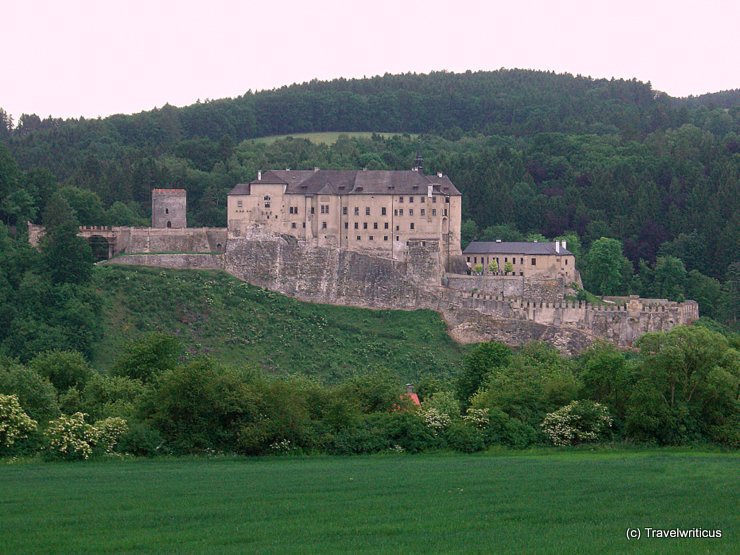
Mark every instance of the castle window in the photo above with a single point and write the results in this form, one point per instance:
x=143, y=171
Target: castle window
x=411, y=225
x=400, y=199
x=383, y=211
x=411, y=210
x=169, y=224
x=434, y=211
x=566, y=261
x=521, y=261
x=346, y=225
x=375, y=225
x=166, y=210
x=534, y=262
x=293, y=225
x=506, y=259
x=398, y=238
x=468, y=259
x=344, y=211
x=400, y=211
x=423, y=212
x=359, y=238
x=447, y=200
x=304, y=225
x=324, y=208
x=513, y=260
x=313, y=210
x=385, y=225
x=370, y=238
x=367, y=211
x=266, y=198
x=239, y=204
x=397, y=228
x=364, y=225
x=434, y=200
x=395, y=212
x=357, y=210
x=422, y=199
x=444, y=212
x=385, y=237
x=411, y=199
x=357, y=226
x=323, y=225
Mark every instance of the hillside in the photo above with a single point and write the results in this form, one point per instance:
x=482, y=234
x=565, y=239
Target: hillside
x=236, y=323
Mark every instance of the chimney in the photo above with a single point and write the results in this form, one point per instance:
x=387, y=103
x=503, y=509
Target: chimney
x=439, y=174
x=409, y=388
x=430, y=189
x=562, y=243
x=259, y=176
x=498, y=240
x=557, y=247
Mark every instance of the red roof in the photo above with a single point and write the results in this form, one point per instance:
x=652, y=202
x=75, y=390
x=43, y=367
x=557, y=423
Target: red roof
x=413, y=397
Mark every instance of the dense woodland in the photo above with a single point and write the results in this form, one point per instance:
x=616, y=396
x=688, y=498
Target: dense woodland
x=643, y=187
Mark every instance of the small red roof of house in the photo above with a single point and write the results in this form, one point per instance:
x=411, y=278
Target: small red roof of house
x=414, y=398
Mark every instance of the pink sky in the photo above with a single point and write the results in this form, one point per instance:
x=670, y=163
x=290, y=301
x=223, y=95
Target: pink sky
x=95, y=58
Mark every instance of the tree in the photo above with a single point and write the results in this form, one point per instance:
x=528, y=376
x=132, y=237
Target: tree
x=477, y=364
x=64, y=369
x=508, y=267
x=147, y=357
x=670, y=278
x=604, y=267
x=493, y=266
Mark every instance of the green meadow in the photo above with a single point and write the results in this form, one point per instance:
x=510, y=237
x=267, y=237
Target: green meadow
x=506, y=502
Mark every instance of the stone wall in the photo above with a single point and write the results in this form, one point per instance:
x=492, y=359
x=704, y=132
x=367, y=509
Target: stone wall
x=174, y=261
x=510, y=287
x=344, y=277
x=150, y=240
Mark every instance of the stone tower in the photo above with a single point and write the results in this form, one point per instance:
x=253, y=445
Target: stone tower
x=168, y=208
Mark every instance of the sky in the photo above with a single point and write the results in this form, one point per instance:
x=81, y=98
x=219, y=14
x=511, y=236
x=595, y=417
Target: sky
x=77, y=58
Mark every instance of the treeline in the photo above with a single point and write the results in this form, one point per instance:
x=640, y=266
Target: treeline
x=681, y=388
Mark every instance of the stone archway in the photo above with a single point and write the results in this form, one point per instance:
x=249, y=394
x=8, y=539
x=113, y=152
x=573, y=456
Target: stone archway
x=101, y=247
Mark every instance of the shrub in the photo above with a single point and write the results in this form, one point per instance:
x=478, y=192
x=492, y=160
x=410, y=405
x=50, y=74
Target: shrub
x=109, y=432
x=577, y=422
x=141, y=440
x=435, y=420
x=14, y=422
x=71, y=438
x=477, y=418
x=35, y=393
x=465, y=438
x=64, y=369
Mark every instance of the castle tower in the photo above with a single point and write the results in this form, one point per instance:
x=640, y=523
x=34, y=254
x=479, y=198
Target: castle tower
x=169, y=208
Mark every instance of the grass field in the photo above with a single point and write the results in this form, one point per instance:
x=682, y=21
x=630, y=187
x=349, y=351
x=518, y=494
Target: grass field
x=579, y=502
x=235, y=323
x=327, y=137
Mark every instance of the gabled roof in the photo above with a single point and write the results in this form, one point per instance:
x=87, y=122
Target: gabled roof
x=514, y=247
x=341, y=182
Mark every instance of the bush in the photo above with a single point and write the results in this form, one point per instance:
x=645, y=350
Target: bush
x=14, y=422
x=465, y=438
x=71, y=438
x=399, y=431
x=35, y=393
x=577, y=422
x=110, y=430
x=64, y=369
x=141, y=440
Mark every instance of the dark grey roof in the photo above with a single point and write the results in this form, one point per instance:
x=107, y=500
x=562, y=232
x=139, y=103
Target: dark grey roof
x=512, y=247
x=340, y=182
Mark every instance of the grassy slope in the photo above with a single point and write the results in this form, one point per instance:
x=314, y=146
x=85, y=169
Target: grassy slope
x=237, y=323
x=562, y=503
x=327, y=137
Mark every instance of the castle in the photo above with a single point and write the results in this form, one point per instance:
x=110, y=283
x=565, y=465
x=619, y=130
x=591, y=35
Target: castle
x=369, y=211
x=390, y=240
